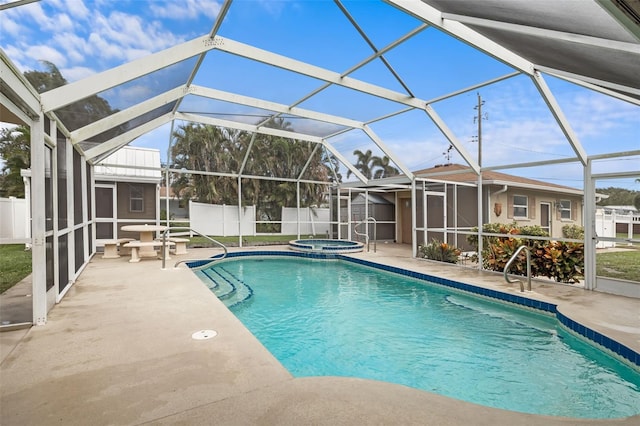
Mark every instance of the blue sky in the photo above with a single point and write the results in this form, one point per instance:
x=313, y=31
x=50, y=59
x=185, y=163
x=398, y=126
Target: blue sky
x=85, y=37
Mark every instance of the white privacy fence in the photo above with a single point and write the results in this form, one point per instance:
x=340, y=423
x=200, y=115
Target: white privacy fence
x=226, y=221
x=14, y=219
x=313, y=221
x=221, y=220
x=607, y=224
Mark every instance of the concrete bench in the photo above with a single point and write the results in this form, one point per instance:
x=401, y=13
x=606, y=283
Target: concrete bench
x=142, y=249
x=111, y=247
x=181, y=245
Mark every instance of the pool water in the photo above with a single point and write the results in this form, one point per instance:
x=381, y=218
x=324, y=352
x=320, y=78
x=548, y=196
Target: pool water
x=335, y=318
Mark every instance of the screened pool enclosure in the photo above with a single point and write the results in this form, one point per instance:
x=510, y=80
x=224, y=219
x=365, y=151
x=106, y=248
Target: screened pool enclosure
x=301, y=104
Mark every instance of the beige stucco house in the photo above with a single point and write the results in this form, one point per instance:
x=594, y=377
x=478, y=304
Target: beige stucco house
x=505, y=199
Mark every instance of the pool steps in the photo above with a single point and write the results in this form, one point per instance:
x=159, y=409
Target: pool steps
x=609, y=344
x=228, y=288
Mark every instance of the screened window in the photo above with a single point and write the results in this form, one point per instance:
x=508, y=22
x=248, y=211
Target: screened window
x=520, y=206
x=136, y=198
x=565, y=209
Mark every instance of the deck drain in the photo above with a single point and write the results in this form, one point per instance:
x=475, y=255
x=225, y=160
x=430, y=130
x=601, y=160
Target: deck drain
x=204, y=334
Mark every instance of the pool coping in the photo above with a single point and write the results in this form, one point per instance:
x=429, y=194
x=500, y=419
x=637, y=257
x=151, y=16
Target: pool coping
x=609, y=345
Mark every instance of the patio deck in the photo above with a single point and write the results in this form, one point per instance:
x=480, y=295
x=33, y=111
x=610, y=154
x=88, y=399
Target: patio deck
x=118, y=350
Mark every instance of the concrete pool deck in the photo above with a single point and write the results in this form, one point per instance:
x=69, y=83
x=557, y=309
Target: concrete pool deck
x=118, y=351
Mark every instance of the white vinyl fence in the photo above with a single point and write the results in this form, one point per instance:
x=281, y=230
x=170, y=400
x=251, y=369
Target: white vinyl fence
x=606, y=224
x=221, y=220
x=313, y=221
x=14, y=219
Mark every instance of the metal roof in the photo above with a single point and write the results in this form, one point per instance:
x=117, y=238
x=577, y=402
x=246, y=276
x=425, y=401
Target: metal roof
x=130, y=164
x=591, y=43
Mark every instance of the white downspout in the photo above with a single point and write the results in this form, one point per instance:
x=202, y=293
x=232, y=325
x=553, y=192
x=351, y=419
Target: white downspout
x=499, y=191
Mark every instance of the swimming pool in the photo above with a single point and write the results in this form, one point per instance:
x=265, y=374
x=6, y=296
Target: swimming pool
x=337, y=318
x=326, y=246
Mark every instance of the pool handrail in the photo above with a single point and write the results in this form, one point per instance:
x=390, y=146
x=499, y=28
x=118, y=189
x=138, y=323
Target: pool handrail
x=512, y=259
x=366, y=234
x=208, y=260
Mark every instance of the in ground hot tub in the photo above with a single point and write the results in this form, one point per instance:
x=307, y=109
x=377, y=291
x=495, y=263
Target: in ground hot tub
x=326, y=246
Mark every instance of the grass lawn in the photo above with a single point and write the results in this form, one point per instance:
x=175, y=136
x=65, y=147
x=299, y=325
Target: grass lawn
x=248, y=240
x=624, y=265
x=15, y=264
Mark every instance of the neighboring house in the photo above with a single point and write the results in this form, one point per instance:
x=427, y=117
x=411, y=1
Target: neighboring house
x=126, y=191
x=506, y=199
x=178, y=209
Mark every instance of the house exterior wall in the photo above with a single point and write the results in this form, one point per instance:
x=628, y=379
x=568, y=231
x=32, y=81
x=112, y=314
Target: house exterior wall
x=506, y=203
x=148, y=205
x=495, y=202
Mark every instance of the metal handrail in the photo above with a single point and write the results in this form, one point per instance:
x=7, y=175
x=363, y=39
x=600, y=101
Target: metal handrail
x=208, y=260
x=366, y=234
x=512, y=259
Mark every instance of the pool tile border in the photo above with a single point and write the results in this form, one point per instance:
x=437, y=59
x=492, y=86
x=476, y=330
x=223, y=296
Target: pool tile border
x=616, y=347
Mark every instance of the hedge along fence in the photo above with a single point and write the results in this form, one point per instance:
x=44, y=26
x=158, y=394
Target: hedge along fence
x=560, y=261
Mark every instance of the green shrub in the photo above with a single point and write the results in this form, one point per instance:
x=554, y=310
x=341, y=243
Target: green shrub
x=440, y=251
x=563, y=262
x=573, y=231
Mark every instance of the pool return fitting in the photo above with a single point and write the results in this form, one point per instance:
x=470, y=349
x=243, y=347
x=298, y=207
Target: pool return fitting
x=512, y=259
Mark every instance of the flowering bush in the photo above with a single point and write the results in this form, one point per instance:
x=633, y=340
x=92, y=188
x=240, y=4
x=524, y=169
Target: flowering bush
x=440, y=251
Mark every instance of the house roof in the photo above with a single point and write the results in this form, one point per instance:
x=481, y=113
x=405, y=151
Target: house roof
x=163, y=192
x=372, y=199
x=448, y=173
x=131, y=164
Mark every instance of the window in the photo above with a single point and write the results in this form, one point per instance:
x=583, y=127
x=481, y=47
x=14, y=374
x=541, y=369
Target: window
x=565, y=209
x=136, y=198
x=520, y=206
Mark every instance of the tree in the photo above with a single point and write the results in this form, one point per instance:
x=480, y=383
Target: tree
x=617, y=196
x=364, y=163
x=15, y=150
x=372, y=166
x=214, y=149
x=208, y=149
x=78, y=114
x=15, y=142
x=384, y=168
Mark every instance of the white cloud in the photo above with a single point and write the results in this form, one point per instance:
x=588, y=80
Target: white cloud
x=77, y=9
x=77, y=73
x=594, y=115
x=75, y=47
x=186, y=9
x=46, y=53
x=108, y=51
x=11, y=27
x=132, y=94
x=130, y=36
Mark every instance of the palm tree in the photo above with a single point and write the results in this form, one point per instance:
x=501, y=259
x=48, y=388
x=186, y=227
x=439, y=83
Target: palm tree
x=364, y=163
x=215, y=149
x=15, y=150
x=384, y=168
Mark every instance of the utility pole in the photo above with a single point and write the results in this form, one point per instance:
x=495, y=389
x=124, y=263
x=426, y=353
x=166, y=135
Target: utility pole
x=479, y=117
